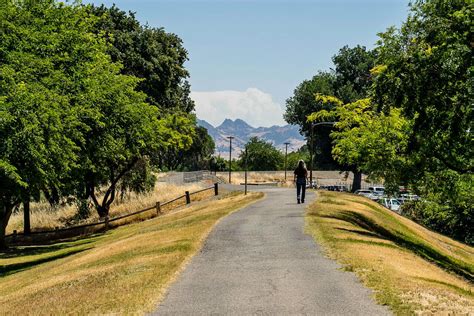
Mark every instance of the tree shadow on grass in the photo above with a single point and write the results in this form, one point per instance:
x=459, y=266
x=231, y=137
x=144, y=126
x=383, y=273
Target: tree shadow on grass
x=405, y=241
x=21, y=251
x=18, y=267
x=49, y=246
x=362, y=232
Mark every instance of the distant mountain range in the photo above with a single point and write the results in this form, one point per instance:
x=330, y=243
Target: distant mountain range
x=277, y=135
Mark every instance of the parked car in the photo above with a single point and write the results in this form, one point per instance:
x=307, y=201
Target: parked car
x=379, y=191
x=338, y=187
x=366, y=193
x=408, y=197
x=312, y=185
x=390, y=203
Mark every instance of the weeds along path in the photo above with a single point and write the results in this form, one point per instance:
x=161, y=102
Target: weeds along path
x=260, y=261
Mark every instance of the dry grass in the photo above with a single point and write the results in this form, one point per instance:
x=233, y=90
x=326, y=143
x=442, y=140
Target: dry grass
x=124, y=271
x=43, y=217
x=256, y=177
x=407, y=265
x=322, y=177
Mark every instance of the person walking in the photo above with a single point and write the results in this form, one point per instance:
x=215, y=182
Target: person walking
x=301, y=173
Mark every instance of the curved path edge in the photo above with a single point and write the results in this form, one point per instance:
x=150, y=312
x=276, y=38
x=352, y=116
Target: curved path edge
x=259, y=260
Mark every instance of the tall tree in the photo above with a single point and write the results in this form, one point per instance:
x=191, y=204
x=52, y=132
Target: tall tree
x=260, y=155
x=425, y=68
x=68, y=119
x=194, y=157
x=349, y=81
x=152, y=54
x=353, y=76
x=374, y=142
x=46, y=52
x=303, y=103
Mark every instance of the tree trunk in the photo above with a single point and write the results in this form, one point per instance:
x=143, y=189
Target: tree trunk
x=5, y=214
x=26, y=216
x=3, y=244
x=356, y=182
x=52, y=196
x=102, y=211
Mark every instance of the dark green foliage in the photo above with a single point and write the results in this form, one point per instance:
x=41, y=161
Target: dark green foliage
x=152, y=54
x=72, y=121
x=139, y=179
x=303, y=103
x=353, y=78
x=83, y=208
x=43, y=106
x=426, y=70
x=447, y=205
x=259, y=155
x=218, y=164
x=294, y=157
x=196, y=157
x=349, y=81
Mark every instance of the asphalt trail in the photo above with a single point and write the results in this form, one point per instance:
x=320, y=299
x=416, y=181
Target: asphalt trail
x=259, y=261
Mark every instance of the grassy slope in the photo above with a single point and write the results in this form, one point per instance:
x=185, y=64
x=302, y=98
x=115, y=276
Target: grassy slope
x=410, y=268
x=123, y=271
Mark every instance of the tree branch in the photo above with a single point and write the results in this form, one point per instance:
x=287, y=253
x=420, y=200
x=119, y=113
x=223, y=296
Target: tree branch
x=451, y=165
x=110, y=194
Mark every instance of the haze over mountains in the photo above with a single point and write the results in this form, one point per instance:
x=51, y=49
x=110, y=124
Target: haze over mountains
x=277, y=135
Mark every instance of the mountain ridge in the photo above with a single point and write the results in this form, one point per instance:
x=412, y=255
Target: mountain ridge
x=242, y=132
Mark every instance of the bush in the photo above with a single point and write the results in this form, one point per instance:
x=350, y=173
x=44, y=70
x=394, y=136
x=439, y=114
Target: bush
x=451, y=222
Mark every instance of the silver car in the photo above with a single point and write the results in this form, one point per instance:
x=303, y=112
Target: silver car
x=391, y=203
x=366, y=193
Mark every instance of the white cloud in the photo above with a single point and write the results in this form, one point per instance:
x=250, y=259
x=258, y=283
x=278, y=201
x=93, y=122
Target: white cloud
x=253, y=106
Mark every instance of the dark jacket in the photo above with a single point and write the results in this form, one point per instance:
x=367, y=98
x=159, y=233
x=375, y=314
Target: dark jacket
x=301, y=173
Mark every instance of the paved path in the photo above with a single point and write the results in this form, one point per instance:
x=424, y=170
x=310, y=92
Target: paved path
x=258, y=261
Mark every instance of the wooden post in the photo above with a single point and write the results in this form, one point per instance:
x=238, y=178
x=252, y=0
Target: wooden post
x=216, y=188
x=106, y=222
x=188, y=197
x=158, y=208
x=26, y=216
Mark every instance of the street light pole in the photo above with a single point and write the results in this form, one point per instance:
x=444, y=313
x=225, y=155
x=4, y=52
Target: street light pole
x=286, y=154
x=230, y=156
x=312, y=146
x=311, y=153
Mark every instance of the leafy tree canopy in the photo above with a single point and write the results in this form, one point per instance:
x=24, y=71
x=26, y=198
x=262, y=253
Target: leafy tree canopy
x=152, y=54
x=69, y=119
x=349, y=81
x=425, y=68
x=260, y=155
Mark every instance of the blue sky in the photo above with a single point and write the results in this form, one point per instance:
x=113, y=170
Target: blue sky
x=247, y=56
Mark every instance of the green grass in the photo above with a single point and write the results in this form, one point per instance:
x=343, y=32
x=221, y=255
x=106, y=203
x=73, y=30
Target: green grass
x=123, y=271
x=411, y=268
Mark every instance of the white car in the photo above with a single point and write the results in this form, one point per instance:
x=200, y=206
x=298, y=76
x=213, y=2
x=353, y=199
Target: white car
x=379, y=191
x=390, y=203
x=313, y=185
x=366, y=193
x=408, y=197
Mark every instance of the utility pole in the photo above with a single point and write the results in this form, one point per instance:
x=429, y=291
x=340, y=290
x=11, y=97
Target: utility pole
x=286, y=154
x=230, y=156
x=311, y=157
x=246, y=168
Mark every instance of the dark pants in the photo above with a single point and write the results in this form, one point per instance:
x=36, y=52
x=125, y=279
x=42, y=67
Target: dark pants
x=300, y=188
